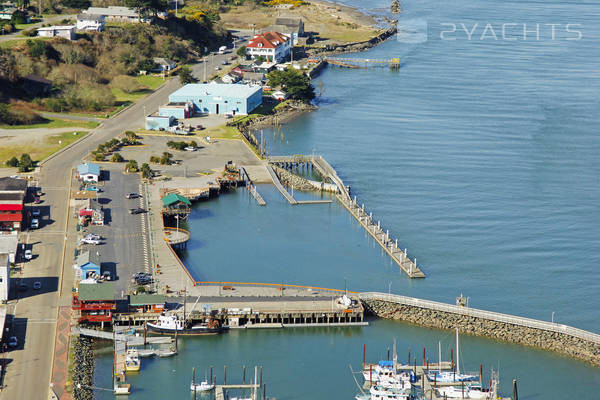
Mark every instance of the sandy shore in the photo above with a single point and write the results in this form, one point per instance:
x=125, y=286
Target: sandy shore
x=350, y=12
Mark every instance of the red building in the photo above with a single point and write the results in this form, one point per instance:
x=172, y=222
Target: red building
x=95, y=302
x=12, y=196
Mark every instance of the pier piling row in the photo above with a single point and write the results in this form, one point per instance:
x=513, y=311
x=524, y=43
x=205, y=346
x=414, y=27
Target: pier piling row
x=388, y=244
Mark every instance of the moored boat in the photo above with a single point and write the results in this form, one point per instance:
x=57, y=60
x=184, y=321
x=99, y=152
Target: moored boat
x=132, y=361
x=171, y=324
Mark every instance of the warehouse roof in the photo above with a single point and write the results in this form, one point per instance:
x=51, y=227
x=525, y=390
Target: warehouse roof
x=12, y=184
x=97, y=291
x=146, y=299
x=215, y=89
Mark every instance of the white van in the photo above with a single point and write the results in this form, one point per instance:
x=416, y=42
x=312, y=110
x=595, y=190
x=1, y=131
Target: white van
x=222, y=49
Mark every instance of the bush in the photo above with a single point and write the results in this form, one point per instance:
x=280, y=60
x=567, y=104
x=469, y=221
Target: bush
x=132, y=166
x=99, y=157
x=37, y=48
x=147, y=172
x=295, y=83
x=30, y=32
x=127, y=84
x=185, y=76
x=13, y=162
x=25, y=163
x=155, y=159
x=241, y=52
x=117, y=158
x=19, y=17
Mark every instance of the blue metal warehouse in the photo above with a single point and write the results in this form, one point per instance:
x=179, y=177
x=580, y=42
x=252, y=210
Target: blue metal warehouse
x=214, y=98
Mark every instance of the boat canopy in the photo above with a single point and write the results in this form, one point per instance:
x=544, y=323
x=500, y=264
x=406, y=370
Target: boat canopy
x=386, y=363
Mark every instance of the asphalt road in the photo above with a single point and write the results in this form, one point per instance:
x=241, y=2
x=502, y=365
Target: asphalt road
x=28, y=373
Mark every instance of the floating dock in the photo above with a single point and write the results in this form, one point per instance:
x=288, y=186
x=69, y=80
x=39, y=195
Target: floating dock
x=388, y=244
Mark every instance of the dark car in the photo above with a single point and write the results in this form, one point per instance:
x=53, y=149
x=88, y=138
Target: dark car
x=138, y=210
x=132, y=195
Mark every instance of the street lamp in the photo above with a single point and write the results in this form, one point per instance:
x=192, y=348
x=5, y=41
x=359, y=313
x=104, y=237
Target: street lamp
x=468, y=301
x=390, y=288
x=552, y=316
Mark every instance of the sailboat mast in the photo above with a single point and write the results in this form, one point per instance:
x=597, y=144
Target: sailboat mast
x=439, y=356
x=457, y=354
x=255, y=383
x=194, y=378
x=184, y=301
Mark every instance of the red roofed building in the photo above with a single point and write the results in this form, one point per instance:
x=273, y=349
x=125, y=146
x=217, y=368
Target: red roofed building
x=12, y=195
x=274, y=46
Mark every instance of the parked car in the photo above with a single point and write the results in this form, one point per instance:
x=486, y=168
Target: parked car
x=89, y=241
x=37, y=285
x=93, y=189
x=217, y=68
x=35, y=212
x=133, y=195
x=28, y=254
x=190, y=148
x=35, y=223
x=93, y=236
x=13, y=342
x=106, y=275
x=199, y=127
x=224, y=62
x=138, y=210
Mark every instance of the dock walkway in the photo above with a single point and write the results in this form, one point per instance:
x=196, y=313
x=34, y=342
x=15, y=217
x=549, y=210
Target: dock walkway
x=119, y=337
x=280, y=187
x=220, y=389
x=374, y=229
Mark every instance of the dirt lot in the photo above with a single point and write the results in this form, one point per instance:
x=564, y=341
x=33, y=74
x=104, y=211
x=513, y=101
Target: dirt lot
x=328, y=22
x=38, y=142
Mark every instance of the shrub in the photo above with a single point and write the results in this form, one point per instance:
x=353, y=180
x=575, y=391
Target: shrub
x=25, y=163
x=241, y=51
x=155, y=159
x=99, y=157
x=132, y=166
x=30, y=32
x=127, y=84
x=13, y=162
x=185, y=76
x=117, y=158
x=147, y=172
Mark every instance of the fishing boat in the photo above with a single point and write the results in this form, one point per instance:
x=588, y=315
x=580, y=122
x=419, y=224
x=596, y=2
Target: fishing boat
x=379, y=392
x=132, y=361
x=203, y=386
x=171, y=324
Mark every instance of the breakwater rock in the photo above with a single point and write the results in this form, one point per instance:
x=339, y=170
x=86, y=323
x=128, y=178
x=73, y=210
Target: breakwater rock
x=83, y=369
x=354, y=46
x=570, y=341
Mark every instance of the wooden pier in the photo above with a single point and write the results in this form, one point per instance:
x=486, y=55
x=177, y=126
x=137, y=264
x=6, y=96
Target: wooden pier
x=220, y=389
x=392, y=63
x=280, y=187
x=388, y=244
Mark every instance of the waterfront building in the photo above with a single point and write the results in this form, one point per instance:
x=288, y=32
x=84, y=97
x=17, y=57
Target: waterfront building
x=214, y=98
x=63, y=31
x=273, y=46
x=91, y=213
x=147, y=303
x=12, y=195
x=90, y=22
x=175, y=203
x=88, y=172
x=94, y=302
x=289, y=26
x=88, y=264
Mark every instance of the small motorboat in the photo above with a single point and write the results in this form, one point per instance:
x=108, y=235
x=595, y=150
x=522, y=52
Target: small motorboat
x=166, y=352
x=132, y=361
x=203, y=386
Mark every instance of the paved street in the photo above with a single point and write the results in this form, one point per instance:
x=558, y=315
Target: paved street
x=36, y=312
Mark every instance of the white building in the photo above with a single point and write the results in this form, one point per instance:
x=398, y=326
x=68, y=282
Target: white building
x=64, y=31
x=164, y=64
x=118, y=13
x=274, y=46
x=90, y=22
x=88, y=172
x=4, y=277
x=8, y=245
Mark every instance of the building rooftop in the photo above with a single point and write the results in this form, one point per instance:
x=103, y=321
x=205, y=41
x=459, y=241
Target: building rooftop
x=146, y=299
x=88, y=168
x=268, y=40
x=3, y=260
x=57, y=28
x=88, y=257
x=116, y=11
x=173, y=198
x=8, y=243
x=163, y=61
x=216, y=89
x=90, y=17
x=97, y=291
x=12, y=185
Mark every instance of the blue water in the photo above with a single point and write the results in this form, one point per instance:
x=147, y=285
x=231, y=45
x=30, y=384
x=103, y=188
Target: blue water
x=481, y=156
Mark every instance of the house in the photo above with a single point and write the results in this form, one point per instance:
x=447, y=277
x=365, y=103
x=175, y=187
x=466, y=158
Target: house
x=279, y=95
x=213, y=98
x=119, y=14
x=254, y=78
x=12, y=196
x=164, y=64
x=147, y=303
x=88, y=172
x=63, y=31
x=273, y=46
x=8, y=245
x=91, y=22
x=175, y=202
x=7, y=13
x=88, y=263
x=95, y=303
x=4, y=277
x=289, y=26
x=231, y=78
x=35, y=85
x=91, y=213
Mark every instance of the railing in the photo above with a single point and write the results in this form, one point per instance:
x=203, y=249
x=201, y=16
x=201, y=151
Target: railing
x=275, y=285
x=494, y=316
x=183, y=237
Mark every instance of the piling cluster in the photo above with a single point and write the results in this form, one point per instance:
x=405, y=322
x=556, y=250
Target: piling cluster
x=83, y=369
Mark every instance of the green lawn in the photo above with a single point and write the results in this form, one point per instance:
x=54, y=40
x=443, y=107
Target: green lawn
x=151, y=83
x=55, y=123
x=221, y=132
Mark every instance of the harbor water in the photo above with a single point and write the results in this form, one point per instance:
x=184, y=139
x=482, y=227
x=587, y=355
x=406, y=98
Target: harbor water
x=480, y=155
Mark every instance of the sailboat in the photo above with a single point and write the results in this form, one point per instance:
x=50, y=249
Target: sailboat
x=203, y=386
x=451, y=376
